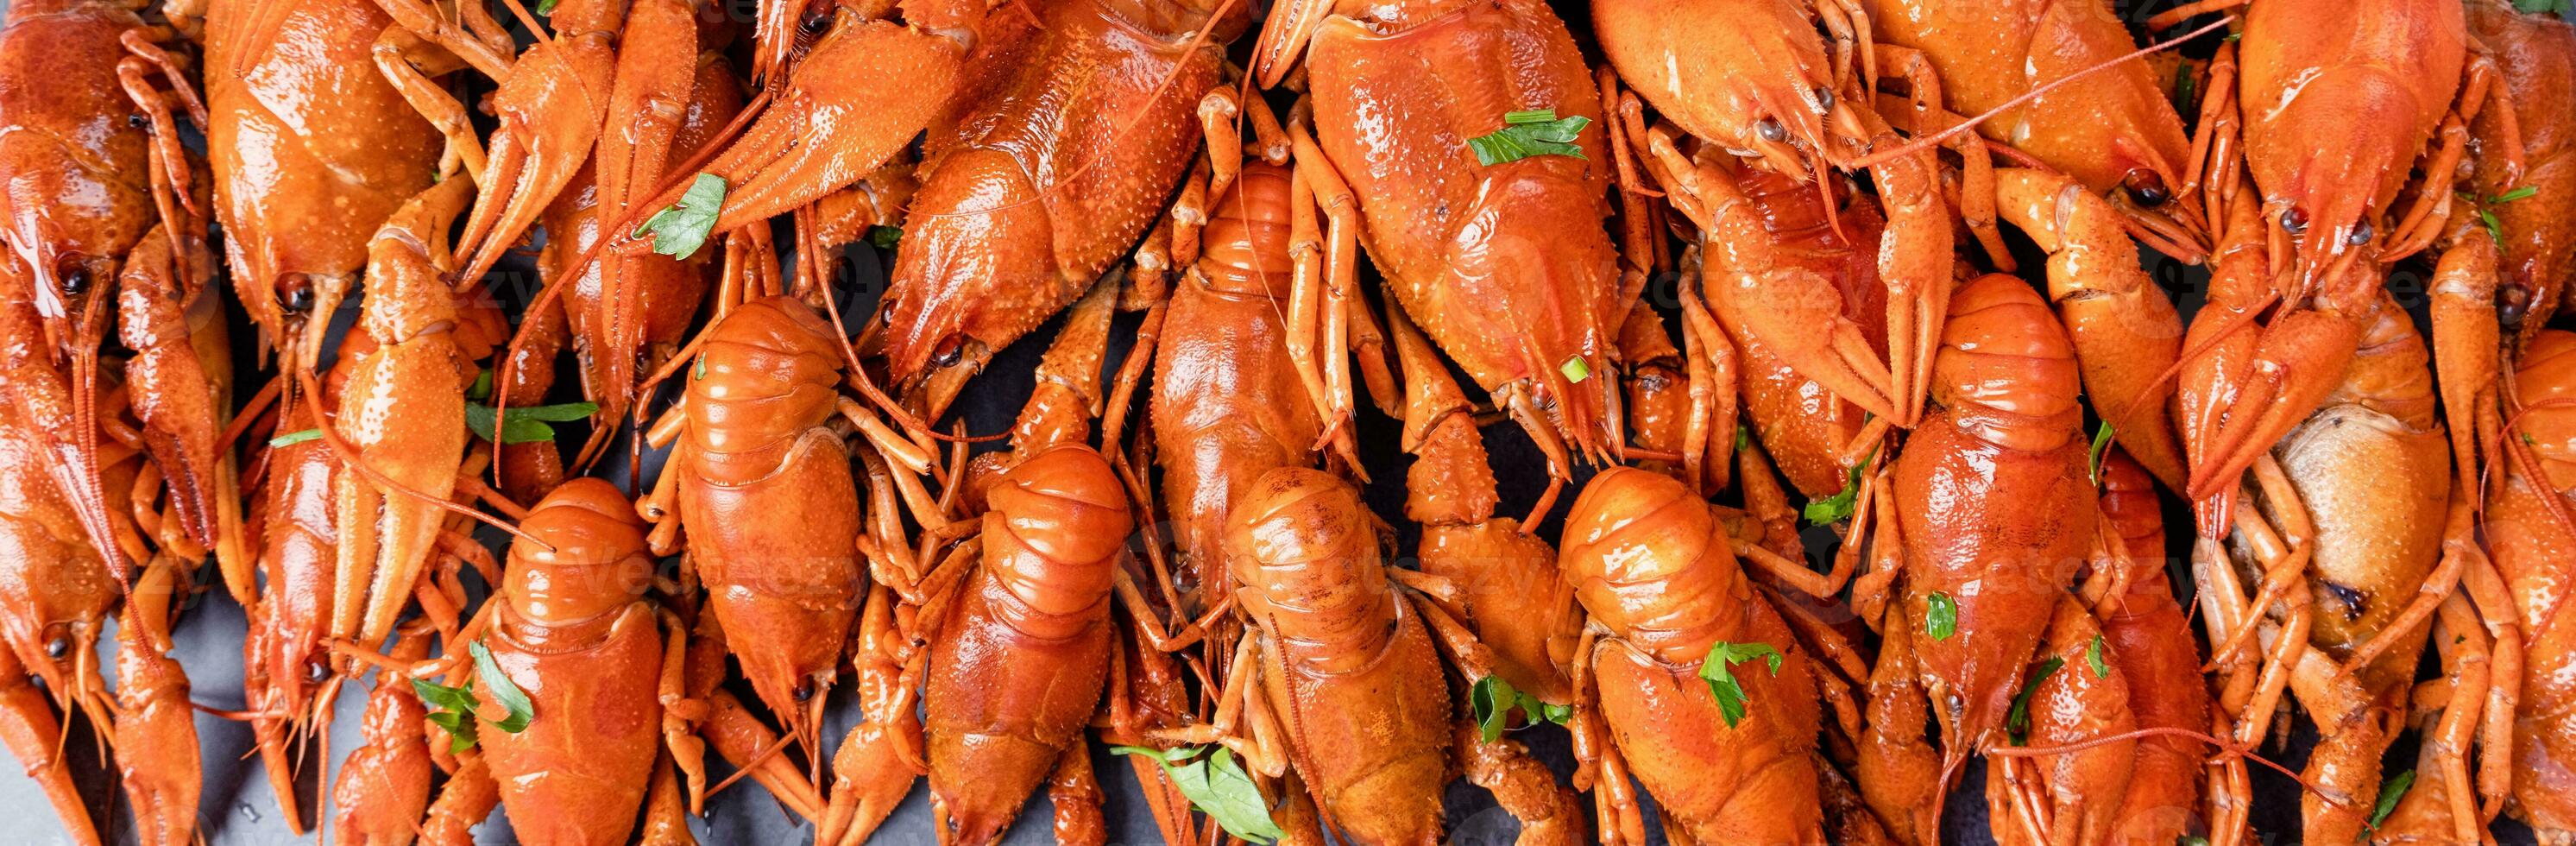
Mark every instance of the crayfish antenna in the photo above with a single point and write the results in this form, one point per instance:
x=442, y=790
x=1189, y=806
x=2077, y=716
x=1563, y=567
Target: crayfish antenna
x=1928, y=141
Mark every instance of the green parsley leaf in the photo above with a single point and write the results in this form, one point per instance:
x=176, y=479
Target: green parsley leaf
x=2101, y=440
x=545, y=7
x=1721, y=681
x=2538, y=7
x=452, y=709
x=513, y=700
x=1492, y=698
x=2522, y=193
x=1575, y=370
x=2192, y=840
x=2186, y=90
x=1743, y=437
x=1218, y=786
x=526, y=425
x=478, y=417
x=435, y=695
x=2093, y=656
x=2389, y=792
x=885, y=237
x=1940, y=616
x=461, y=734
x=699, y=370
x=558, y=413
x=1539, y=710
x=2495, y=228
x=2018, y=720
x=293, y=438
x=1840, y=505
x=1532, y=133
x=482, y=388
x=679, y=229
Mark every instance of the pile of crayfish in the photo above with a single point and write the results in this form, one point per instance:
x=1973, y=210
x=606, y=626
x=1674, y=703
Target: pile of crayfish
x=520, y=373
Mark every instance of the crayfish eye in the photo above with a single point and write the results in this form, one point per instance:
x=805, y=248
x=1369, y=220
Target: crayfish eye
x=1824, y=100
x=58, y=647
x=315, y=671
x=2147, y=188
x=137, y=121
x=74, y=280
x=814, y=24
x=2513, y=303
x=1771, y=130
x=2359, y=235
x=804, y=690
x=298, y=299
x=2295, y=221
x=948, y=353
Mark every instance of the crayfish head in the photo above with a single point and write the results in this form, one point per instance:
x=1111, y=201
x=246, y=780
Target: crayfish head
x=2328, y=228
x=67, y=280
x=2332, y=143
x=1759, y=83
x=61, y=654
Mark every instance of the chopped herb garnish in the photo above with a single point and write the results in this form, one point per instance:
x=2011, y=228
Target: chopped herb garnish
x=1721, y=681
x=1575, y=370
x=2018, y=720
x=2389, y=792
x=2186, y=90
x=1493, y=700
x=2093, y=459
x=1218, y=786
x=885, y=237
x=482, y=388
x=526, y=425
x=1841, y=505
x=1940, y=616
x=513, y=700
x=1532, y=133
x=2093, y=656
x=456, y=710
x=2522, y=193
x=679, y=229
x=293, y=438
x=452, y=709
